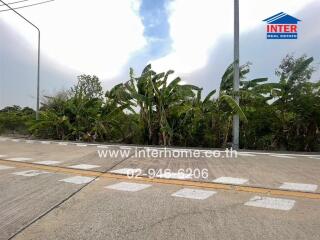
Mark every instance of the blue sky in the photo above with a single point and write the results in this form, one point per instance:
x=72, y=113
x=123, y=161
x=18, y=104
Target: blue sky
x=154, y=16
x=105, y=38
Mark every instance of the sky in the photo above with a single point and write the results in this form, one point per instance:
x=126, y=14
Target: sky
x=107, y=37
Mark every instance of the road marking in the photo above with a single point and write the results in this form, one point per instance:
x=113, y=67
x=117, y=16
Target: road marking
x=19, y=159
x=106, y=146
x=246, y=154
x=211, y=152
x=48, y=162
x=30, y=141
x=45, y=142
x=84, y=166
x=230, y=180
x=271, y=203
x=154, y=148
x=15, y=140
x=299, y=187
x=127, y=171
x=174, y=182
x=30, y=173
x=101, y=146
x=174, y=175
x=281, y=156
x=3, y=167
x=315, y=158
x=125, y=147
x=129, y=187
x=63, y=143
x=193, y=193
x=77, y=180
x=81, y=145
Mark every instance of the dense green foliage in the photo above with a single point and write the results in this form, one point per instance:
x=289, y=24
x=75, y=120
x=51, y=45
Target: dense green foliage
x=14, y=120
x=154, y=109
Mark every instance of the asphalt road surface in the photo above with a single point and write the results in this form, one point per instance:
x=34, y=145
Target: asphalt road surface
x=64, y=190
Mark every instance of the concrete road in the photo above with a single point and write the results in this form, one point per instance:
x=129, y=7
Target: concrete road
x=67, y=202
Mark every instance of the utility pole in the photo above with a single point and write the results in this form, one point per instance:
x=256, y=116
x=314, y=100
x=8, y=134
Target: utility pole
x=236, y=80
x=38, y=60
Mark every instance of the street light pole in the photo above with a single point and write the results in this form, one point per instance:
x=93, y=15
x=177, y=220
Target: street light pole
x=38, y=61
x=236, y=80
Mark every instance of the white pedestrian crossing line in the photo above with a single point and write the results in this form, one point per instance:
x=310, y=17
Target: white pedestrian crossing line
x=271, y=203
x=299, y=187
x=129, y=187
x=30, y=173
x=48, y=162
x=193, y=193
x=45, y=142
x=125, y=147
x=81, y=145
x=127, y=171
x=3, y=167
x=19, y=159
x=63, y=143
x=175, y=175
x=281, y=156
x=15, y=140
x=77, y=180
x=246, y=154
x=103, y=146
x=84, y=166
x=230, y=180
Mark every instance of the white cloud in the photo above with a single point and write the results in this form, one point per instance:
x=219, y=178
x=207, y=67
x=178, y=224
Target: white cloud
x=94, y=37
x=197, y=25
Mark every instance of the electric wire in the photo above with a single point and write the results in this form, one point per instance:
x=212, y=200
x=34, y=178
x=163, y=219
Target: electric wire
x=30, y=5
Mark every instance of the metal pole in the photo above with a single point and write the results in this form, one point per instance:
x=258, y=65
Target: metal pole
x=236, y=80
x=38, y=79
x=38, y=67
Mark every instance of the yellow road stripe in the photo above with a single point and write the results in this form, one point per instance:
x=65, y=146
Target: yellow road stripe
x=89, y=173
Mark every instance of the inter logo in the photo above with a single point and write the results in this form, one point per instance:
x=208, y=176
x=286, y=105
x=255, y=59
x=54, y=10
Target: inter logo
x=282, y=26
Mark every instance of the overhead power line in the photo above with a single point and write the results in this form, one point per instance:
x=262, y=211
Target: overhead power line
x=11, y=3
x=30, y=5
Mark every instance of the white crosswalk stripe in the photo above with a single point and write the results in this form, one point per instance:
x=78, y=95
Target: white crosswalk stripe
x=129, y=187
x=174, y=175
x=246, y=154
x=48, y=162
x=281, y=156
x=299, y=187
x=3, y=167
x=30, y=173
x=19, y=159
x=193, y=193
x=84, y=166
x=230, y=180
x=271, y=203
x=81, y=145
x=77, y=180
x=127, y=171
